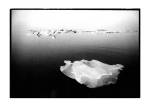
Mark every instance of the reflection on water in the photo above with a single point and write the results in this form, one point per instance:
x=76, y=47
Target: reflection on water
x=29, y=46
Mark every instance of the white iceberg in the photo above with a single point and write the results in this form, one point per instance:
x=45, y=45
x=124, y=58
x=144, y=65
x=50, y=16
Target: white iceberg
x=91, y=73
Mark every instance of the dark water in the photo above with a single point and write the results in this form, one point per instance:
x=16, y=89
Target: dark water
x=37, y=74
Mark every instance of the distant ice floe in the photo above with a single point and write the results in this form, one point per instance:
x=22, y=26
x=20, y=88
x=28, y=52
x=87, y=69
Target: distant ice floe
x=92, y=73
x=53, y=33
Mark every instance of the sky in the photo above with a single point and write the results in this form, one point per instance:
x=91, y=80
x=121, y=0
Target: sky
x=77, y=19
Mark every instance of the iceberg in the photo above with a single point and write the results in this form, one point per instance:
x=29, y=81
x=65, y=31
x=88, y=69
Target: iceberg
x=92, y=73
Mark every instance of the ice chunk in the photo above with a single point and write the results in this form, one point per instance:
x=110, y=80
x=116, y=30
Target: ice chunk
x=91, y=73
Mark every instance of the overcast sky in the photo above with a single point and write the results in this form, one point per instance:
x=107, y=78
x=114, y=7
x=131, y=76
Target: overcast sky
x=77, y=19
